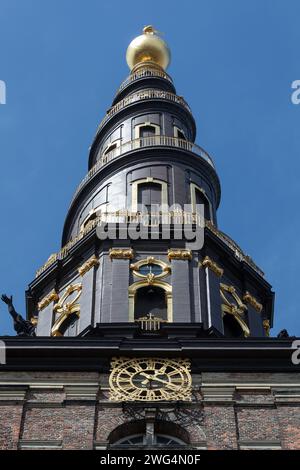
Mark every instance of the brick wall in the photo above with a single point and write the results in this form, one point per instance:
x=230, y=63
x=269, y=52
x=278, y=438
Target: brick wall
x=10, y=419
x=72, y=411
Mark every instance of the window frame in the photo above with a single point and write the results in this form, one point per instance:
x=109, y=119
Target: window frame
x=133, y=288
x=105, y=150
x=178, y=129
x=90, y=214
x=148, y=179
x=193, y=188
x=138, y=127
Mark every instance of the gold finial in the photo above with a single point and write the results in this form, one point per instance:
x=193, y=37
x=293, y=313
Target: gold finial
x=148, y=48
x=148, y=29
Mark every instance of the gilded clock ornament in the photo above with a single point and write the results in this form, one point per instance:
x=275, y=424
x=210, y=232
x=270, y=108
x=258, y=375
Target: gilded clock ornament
x=150, y=379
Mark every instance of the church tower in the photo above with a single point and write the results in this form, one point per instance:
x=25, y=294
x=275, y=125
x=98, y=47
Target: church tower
x=152, y=324
x=128, y=257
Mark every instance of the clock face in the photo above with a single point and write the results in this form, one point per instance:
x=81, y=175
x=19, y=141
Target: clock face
x=149, y=379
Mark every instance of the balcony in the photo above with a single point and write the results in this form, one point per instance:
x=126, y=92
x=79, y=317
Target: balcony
x=149, y=323
x=124, y=216
x=147, y=94
x=152, y=219
x=145, y=72
x=157, y=140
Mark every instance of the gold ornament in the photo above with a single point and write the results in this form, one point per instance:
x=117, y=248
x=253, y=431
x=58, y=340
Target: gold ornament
x=92, y=261
x=249, y=299
x=267, y=327
x=64, y=309
x=148, y=49
x=121, y=253
x=209, y=263
x=51, y=297
x=234, y=306
x=150, y=260
x=179, y=254
x=150, y=379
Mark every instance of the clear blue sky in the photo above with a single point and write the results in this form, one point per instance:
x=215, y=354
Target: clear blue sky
x=233, y=61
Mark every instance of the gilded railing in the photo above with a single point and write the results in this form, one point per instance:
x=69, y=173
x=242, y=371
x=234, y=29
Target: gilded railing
x=142, y=73
x=124, y=216
x=157, y=140
x=150, y=322
x=147, y=94
x=172, y=217
x=239, y=254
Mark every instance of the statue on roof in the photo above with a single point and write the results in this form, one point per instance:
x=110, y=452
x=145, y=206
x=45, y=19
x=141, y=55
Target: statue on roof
x=21, y=326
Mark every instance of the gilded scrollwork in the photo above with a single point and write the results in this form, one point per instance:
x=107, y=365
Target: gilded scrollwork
x=267, y=326
x=212, y=265
x=51, y=297
x=65, y=307
x=250, y=299
x=233, y=305
x=89, y=264
x=180, y=254
x=121, y=253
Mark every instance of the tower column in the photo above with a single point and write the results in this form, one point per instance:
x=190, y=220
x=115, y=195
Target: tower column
x=45, y=318
x=254, y=309
x=120, y=258
x=87, y=271
x=212, y=273
x=180, y=284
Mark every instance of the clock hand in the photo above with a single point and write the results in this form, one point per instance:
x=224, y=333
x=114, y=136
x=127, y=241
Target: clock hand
x=148, y=376
x=162, y=370
x=169, y=384
x=154, y=377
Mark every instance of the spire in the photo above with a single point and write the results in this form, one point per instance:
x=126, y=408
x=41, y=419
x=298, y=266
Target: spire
x=148, y=48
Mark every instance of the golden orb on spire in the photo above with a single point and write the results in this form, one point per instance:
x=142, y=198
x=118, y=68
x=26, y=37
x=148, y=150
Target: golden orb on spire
x=148, y=48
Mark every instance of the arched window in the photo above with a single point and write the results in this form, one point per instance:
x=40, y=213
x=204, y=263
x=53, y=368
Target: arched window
x=198, y=197
x=148, y=434
x=90, y=217
x=201, y=199
x=149, y=191
x=140, y=440
x=179, y=133
x=111, y=151
x=234, y=312
x=232, y=329
x=67, y=310
x=146, y=130
x=151, y=300
x=149, y=194
x=110, y=148
x=100, y=210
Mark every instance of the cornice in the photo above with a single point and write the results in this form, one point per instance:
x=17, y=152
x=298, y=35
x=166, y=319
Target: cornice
x=93, y=354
